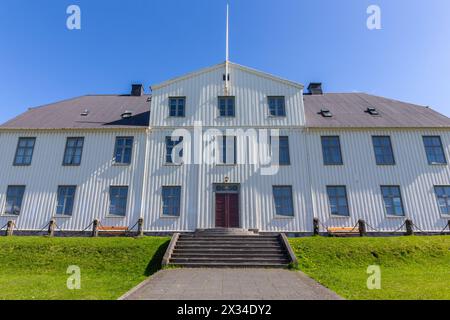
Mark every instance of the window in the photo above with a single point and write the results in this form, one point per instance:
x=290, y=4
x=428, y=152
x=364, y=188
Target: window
x=434, y=150
x=326, y=113
x=277, y=106
x=118, y=201
x=177, y=106
x=227, y=149
x=66, y=197
x=283, y=154
x=331, y=148
x=393, y=200
x=171, y=201
x=74, y=150
x=171, y=142
x=283, y=200
x=337, y=196
x=24, y=152
x=123, y=150
x=443, y=199
x=226, y=106
x=384, y=154
x=14, y=197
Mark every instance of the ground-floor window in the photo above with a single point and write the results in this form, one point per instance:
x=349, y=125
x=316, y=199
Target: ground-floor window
x=66, y=197
x=337, y=197
x=14, y=197
x=171, y=201
x=393, y=200
x=118, y=200
x=443, y=198
x=283, y=200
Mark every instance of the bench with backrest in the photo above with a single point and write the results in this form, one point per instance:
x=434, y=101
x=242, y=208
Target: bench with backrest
x=112, y=230
x=343, y=231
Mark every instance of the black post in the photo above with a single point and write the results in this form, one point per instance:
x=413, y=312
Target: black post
x=95, y=228
x=140, y=227
x=316, y=226
x=409, y=228
x=362, y=228
x=10, y=228
x=51, y=228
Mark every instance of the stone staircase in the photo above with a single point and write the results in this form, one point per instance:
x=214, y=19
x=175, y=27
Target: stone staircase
x=228, y=248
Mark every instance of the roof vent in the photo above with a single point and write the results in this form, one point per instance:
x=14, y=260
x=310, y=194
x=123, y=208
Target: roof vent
x=137, y=90
x=325, y=113
x=127, y=114
x=372, y=111
x=315, y=88
x=85, y=113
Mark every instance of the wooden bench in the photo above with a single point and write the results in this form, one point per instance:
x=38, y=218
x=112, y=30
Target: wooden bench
x=112, y=230
x=343, y=231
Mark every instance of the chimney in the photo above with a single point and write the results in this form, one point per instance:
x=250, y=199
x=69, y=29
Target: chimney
x=315, y=88
x=137, y=90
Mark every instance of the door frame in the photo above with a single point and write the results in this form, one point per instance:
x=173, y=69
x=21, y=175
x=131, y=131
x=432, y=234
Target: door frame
x=233, y=188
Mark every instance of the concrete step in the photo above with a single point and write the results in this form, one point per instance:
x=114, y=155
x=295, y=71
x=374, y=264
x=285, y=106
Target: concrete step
x=226, y=246
x=211, y=255
x=230, y=265
x=223, y=237
x=246, y=242
x=230, y=251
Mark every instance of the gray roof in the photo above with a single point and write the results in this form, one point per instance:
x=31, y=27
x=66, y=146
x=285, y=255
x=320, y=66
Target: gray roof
x=104, y=111
x=349, y=111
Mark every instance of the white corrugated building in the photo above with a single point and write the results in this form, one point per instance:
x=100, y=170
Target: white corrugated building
x=342, y=157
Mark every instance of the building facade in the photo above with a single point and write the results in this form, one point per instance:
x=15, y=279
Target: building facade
x=246, y=150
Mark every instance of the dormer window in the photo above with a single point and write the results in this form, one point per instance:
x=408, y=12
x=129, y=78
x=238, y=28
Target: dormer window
x=326, y=113
x=372, y=111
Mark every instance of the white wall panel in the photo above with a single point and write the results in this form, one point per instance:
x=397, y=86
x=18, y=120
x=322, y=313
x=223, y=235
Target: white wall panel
x=93, y=178
x=364, y=178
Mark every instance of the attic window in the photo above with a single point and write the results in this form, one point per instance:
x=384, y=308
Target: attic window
x=85, y=113
x=326, y=113
x=372, y=111
x=127, y=114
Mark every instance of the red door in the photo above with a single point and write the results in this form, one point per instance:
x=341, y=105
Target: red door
x=227, y=210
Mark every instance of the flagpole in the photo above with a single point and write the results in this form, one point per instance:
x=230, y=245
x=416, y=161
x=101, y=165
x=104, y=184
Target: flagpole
x=227, y=55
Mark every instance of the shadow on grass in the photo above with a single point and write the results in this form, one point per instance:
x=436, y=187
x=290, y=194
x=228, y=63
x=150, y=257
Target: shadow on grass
x=155, y=263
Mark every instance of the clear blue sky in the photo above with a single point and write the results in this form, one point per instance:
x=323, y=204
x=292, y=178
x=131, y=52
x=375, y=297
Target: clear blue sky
x=149, y=41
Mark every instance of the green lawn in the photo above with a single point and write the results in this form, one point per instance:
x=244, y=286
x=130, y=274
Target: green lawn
x=411, y=267
x=35, y=267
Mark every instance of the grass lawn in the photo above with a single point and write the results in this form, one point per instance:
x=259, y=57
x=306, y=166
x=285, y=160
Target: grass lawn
x=411, y=267
x=35, y=267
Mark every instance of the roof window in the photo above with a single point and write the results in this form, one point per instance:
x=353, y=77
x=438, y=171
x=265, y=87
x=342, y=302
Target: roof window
x=326, y=113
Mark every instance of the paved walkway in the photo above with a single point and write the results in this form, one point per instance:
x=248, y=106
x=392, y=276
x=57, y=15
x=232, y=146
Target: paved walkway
x=230, y=284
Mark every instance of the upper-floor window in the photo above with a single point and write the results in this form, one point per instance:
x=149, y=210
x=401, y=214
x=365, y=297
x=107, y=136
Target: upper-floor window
x=434, y=150
x=443, y=199
x=331, y=149
x=66, y=199
x=337, y=197
x=123, y=150
x=14, y=198
x=118, y=200
x=277, y=106
x=177, y=106
x=393, y=200
x=171, y=201
x=227, y=150
x=227, y=106
x=283, y=200
x=73, y=152
x=24, y=152
x=171, y=142
x=384, y=155
x=283, y=150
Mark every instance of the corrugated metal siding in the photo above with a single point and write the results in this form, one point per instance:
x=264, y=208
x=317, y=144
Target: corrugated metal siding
x=251, y=91
x=92, y=178
x=363, y=178
x=257, y=209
